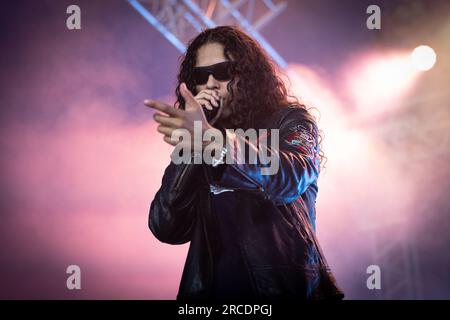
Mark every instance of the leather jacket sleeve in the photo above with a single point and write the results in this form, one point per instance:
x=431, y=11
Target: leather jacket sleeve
x=172, y=213
x=298, y=161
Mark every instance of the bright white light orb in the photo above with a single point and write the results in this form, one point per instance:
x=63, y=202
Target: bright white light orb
x=423, y=58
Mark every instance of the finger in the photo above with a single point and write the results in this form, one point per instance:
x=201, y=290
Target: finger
x=205, y=95
x=177, y=139
x=165, y=130
x=211, y=92
x=187, y=95
x=169, y=141
x=170, y=132
x=168, y=121
x=205, y=103
x=158, y=114
x=164, y=107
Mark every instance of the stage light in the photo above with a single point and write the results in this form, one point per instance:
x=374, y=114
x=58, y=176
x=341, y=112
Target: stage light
x=377, y=82
x=423, y=58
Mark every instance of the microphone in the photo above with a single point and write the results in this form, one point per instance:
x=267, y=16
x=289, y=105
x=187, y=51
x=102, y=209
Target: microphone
x=213, y=115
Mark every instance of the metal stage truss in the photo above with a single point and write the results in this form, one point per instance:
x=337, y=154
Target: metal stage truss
x=180, y=20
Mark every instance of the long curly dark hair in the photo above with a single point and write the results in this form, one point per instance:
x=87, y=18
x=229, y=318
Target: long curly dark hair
x=259, y=89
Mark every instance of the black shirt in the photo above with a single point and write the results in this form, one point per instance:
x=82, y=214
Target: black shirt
x=231, y=280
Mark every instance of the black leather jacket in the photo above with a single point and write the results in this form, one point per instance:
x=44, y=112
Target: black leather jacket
x=276, y=233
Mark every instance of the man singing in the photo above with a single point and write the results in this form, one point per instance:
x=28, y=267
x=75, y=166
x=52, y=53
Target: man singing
x=252, y=234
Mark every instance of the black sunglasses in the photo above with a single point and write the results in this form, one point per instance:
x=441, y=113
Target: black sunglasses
x=220, y=71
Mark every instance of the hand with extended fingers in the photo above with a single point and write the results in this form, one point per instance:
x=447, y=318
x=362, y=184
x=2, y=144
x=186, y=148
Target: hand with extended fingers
x=172, y=119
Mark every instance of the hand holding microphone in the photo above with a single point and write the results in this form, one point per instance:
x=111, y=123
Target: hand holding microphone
x=212, y=104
